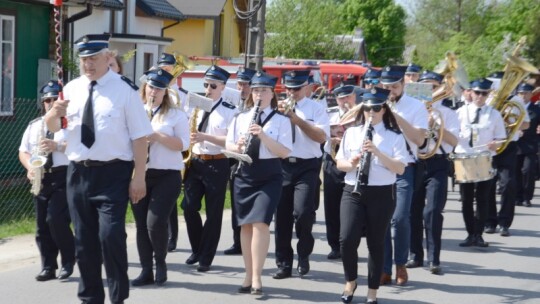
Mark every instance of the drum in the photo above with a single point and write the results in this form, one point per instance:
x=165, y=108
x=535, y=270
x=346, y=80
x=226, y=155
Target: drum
x=472, y=167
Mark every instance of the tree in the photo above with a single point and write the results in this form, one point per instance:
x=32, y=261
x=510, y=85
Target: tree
x=305, y=29
x=383, y=25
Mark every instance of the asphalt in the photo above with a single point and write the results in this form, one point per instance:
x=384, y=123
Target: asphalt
x=508, y=271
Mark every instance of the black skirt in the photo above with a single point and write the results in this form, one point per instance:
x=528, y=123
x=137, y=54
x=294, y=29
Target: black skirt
x=257, y=190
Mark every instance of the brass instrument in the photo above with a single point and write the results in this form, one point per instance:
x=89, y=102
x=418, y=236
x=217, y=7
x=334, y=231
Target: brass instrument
x=513, y=113
x=182, y=63
x=38, y=160
x=288, y=105
x=449, y=68
x=192, y=129
x=362, y=174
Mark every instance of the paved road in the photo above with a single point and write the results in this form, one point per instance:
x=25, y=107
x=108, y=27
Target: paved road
x=508, y=271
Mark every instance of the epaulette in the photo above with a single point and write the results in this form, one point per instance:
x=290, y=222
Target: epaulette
x=332, y=110
x=130, y=83
x=183, y=90
x=228, y=105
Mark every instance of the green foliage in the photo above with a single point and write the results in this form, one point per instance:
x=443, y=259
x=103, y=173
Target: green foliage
x=480, y=32
x=305, y=29
x=383, y=25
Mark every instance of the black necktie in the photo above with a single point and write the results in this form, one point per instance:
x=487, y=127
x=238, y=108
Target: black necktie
x=475, y=121
x=204, y=122
x=88, y=136
x=49, y=162
x=253, y=149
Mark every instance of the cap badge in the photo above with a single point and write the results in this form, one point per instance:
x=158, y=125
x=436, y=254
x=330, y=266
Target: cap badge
x=85, y=39
x=388, y=68
x=258, y=74
x=373, y=91
x=213, y=68
x=50, y=83
x=160, y=72
x=293, y=74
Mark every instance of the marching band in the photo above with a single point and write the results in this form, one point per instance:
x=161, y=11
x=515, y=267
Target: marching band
x=379, y=182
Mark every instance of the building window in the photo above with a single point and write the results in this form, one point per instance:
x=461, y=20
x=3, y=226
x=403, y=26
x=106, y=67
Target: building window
x=7, y=55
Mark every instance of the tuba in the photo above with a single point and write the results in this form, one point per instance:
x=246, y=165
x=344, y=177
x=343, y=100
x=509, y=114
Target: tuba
x=513, y=112
x=452, y=71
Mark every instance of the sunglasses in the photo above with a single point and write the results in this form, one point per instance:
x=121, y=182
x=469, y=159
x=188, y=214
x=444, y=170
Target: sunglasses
x=372, y=81
x=483, y=93
x=49, y=100
x=212, y=85
x=376, y=108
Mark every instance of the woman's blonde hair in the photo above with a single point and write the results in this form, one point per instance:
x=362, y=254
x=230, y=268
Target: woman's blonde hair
x=166, y=103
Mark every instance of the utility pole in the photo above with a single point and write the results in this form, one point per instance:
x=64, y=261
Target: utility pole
x=255, y=51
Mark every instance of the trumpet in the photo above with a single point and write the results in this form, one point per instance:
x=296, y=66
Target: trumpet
x=362, y=175
x=288, y=105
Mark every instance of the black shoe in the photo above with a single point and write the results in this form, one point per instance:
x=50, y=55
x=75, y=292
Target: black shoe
x=489, y=229
x=469, y=241
x=334, y=255
x=282, y=273
x=303, y=266
x=172, y=245
x=413, y=264
x=193, y=258
x=519, y=203
x=233, y=250
x=528, y=203
x=371, y=302
x=145, y=278
x=348, y=298
x=65, y=272
x=203, y=268
x=434, y=269
x=256, y=291
x=504, y=231
x=479, y=242
x=46, y=274
x=244, y=289
x=161, y=273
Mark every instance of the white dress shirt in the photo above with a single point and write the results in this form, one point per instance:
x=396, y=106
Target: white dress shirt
x=415, y=113
x=119, y=118
x=218, y=122
x=490, y=127
x=314, y=114
x=174, y=123
x=278, y=128
x=388, y=142
x=35, y=130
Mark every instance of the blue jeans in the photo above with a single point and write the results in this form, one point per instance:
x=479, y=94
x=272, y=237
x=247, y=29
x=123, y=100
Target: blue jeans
x=400, y=225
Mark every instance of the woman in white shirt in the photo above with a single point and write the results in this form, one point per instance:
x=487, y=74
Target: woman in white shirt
x=163, y=178
x=257, y=186
x=368, y=199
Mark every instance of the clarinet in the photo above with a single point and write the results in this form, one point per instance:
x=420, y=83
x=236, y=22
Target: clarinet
x=362, y=174
x=249, y=137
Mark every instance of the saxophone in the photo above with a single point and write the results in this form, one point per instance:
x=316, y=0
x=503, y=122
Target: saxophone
x=38, y=160
x=187, y=154
x=362, y=175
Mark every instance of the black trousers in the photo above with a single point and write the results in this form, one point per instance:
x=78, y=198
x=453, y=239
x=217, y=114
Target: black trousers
x=296, y=208
x=371, y=212
x=333, y=181
x=98, y=198
x=206, y=179
x=173, y=223
x=152, y=214
x=53, y=233
x=474, y=221
x=428, y=202
x=526, y=176
x=505, y=163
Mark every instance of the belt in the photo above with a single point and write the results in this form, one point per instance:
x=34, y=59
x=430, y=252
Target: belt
x=55, y=169
x=439, y=156
x=96, y=163
x=297, y=159
x=210, y=156
x=411, y=164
